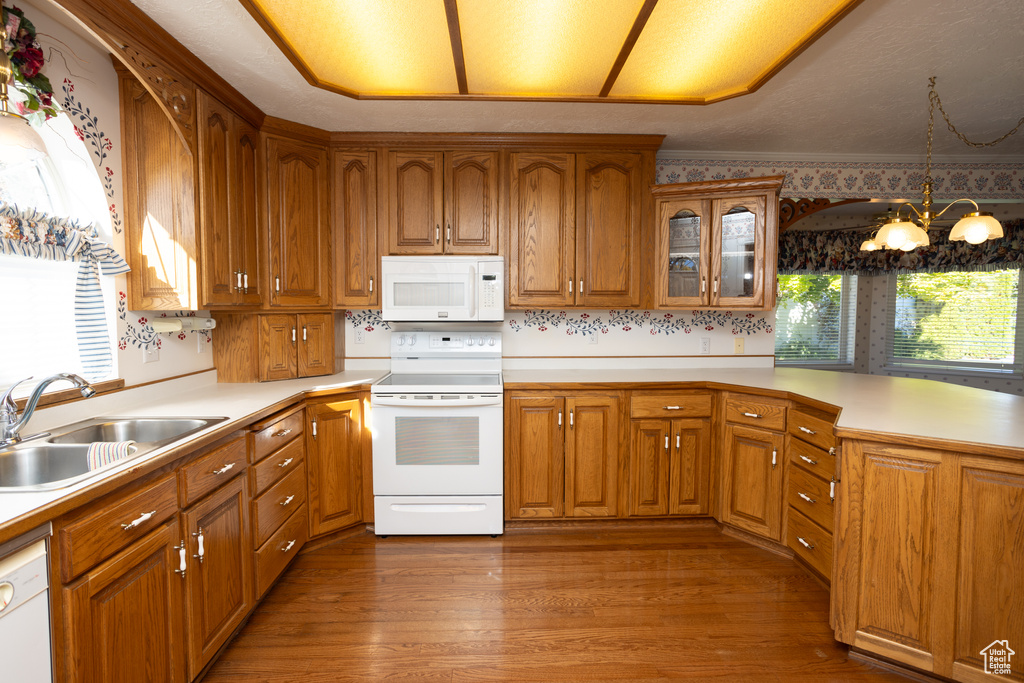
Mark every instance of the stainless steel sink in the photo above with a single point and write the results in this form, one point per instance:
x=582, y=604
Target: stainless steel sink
x=62, y=459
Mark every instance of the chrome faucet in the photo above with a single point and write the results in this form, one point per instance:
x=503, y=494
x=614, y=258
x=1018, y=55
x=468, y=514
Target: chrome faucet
x=11, y=424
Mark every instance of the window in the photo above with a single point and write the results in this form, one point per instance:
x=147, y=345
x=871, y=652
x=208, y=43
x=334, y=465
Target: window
x=815, y=319
x=969, y=321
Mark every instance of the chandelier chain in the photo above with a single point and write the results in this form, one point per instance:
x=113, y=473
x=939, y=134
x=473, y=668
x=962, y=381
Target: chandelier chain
x=934, y=101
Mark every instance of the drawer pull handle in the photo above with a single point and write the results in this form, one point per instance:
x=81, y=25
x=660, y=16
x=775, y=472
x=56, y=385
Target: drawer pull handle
x=288, y=547
x=202, y=550
x=754, y=415
x=141, y=519
x=224, y=469
x=287, y=500
x=671, y=407
x=832, y=450
x=285, y=463
x=805, y=544
x=283, y=432
x=805, y=430
x=806, y=497
x=808, y=460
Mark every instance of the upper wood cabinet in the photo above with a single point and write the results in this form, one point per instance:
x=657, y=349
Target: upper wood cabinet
x=576, y=224
x=443, y=202
x=354, y=195
x=229, y=196
x=717, y=243
x=271, y=346
x=298, y=222
x=160, y=216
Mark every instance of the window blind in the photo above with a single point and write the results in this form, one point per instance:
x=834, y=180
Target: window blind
x=815, y=319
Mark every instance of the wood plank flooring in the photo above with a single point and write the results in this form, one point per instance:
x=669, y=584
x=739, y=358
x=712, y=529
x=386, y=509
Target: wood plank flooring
x=650, y=604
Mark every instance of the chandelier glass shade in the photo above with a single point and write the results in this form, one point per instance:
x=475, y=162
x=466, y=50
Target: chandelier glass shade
x=19, y=141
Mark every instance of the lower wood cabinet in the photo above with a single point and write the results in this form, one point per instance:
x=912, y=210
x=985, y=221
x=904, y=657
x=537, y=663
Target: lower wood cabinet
x=752, y=477
x=562, y=455
x=335, y=440
x=266, y=347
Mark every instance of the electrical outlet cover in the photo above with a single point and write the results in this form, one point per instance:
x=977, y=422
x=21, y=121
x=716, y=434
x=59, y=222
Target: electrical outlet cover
x=738, y=342
x=150, y=353
x=360, y=335
x=705, y=345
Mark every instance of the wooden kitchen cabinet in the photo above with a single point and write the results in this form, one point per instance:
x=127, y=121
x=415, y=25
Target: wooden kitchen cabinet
x=562, y=455
x=335, y=440
x=354, y=197
x=229, y=202
x=218, y=585
x=273, y=346
x=160, y=216
x=298, y=222
x=717, y=243
x=443, y=202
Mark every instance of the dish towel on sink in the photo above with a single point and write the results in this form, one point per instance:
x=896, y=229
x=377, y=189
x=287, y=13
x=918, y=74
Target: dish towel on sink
x=105, y=452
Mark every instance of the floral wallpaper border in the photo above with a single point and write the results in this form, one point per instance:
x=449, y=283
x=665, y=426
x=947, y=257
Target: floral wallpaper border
x=844, y=180
x=88, y=131
x=144, y=335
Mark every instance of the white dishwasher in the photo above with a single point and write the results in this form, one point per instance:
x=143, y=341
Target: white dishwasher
x=25, y=615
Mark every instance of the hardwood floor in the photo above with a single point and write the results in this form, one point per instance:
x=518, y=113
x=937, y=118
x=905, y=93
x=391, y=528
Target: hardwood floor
x=645, y=604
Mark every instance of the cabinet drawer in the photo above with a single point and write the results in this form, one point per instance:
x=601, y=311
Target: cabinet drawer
x=813, y=429
x=810, y=495
x=271, y=437
x=282, y=462
x=270, y=510
x=822, y=463
x=816, y=546
x=211, y=470
x=276, y=553
x=670, y=405
x=91, y=539
x=755, y=411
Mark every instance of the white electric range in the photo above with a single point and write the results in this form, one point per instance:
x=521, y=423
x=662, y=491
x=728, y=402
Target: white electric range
x=438, y=435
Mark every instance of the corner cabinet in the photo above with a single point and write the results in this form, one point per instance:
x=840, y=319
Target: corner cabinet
x=298, y=223
x=270, y=346
x=717, y=243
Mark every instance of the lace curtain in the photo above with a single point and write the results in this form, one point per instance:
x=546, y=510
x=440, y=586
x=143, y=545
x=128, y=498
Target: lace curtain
x=34, y=234
x=839, y=252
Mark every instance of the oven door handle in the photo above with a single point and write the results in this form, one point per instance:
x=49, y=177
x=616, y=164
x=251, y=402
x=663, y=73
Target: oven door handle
x=413, y=402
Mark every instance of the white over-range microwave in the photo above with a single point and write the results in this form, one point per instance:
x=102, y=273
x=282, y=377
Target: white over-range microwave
x=442, y=288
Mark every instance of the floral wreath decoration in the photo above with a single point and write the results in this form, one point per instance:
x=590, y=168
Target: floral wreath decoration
x=27, y=61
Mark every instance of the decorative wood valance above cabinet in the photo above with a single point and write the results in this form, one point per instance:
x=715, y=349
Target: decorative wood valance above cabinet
x=714, y=248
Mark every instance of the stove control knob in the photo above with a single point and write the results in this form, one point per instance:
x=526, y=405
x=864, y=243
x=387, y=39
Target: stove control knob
x=490, y=341
x=480, y=341
x=469, y=341
x=412, y=340
x=401, y=340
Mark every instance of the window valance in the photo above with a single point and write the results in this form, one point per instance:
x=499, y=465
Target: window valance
x=839, y=251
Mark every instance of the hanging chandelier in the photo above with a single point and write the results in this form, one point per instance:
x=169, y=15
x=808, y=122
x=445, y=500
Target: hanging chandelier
x=912, y=231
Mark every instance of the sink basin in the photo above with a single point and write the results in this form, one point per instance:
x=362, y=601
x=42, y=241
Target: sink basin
x=45, y=466
x=142, y=430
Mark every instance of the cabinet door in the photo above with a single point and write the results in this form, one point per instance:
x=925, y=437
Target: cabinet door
x=315, y=344
x=160, y=220
x=684, y=252
x=416, y=199
x=534, y=462
x=125, y=618
x=298, y=223
x=609, y=205
x=592, y=456
x=247, y=202
x=738, y=253
x=220, y=268
x=471, y=202
x=752, y=480
x=689, y=487
x=542, y=230
x=354, y=192
x=278, y=347
x=219, y=583
x=649, y=467
x=334, y=449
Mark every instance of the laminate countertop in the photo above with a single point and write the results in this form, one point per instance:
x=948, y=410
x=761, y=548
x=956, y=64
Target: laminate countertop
x=897, y=406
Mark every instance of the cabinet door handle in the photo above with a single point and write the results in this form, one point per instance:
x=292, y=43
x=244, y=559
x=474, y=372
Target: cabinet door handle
x=277, y=284
x=559, y=418
x=141, y=519
x=371, y=285
x=808, y=460
x=303, y=333
x=238, y=279
x=181, y=559
x=679, y=442
x=314, y=428
x=806, y=497
x=449, y=234
x=775, y=455
x=570, y=286
x=437, y=233
x=287, y=500
x=202, y=551
x=285, y=463
x=580, y=290
x=703, y=285
x=754, y=415
x=571, y=425
x=805, y=543
x=714, y=286
x=288, y=547
x=805, y=430
x=666, y=442
x=224, y=469
x=671, y=407
x=283, y=432
x=293, y=335
x=245, y=282
x=832, y=490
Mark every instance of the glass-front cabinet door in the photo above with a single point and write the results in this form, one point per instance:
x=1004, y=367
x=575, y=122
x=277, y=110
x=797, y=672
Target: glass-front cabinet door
x=738, y=262
x=686, y=262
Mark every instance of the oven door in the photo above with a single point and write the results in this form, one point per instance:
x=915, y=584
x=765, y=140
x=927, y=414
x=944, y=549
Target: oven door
x=431, y=444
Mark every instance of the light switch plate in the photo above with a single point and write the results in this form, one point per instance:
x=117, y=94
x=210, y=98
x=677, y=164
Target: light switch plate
x=738, y=345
